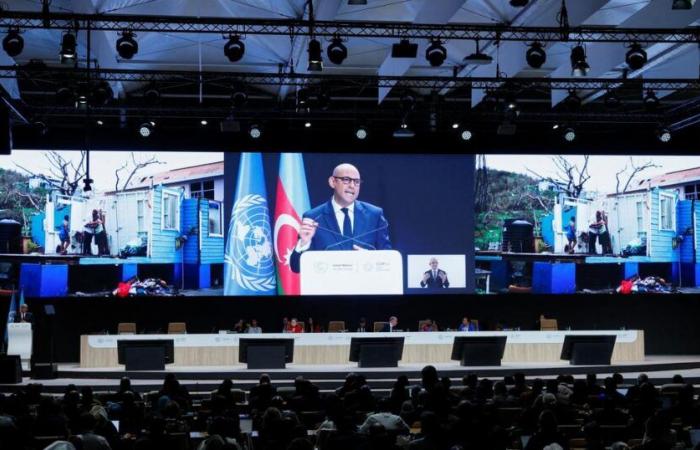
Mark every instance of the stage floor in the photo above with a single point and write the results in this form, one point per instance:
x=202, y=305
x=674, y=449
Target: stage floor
x=205, y=378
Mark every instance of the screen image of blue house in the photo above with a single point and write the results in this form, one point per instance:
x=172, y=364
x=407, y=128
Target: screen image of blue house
x=410, y=203
x=564, y=224
x=153, y=221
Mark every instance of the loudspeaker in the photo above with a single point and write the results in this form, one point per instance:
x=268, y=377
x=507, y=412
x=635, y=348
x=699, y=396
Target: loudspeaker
x=5, y=131
x=45, y=371
x=10, y=369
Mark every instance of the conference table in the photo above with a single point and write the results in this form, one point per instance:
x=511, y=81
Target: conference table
x=100, y=351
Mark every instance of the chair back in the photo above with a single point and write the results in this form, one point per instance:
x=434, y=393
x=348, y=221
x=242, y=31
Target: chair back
x=548, y=324
x=378, y=326
x=126, y=328
x=335, y=326
x=177, y=328
x=476, y=324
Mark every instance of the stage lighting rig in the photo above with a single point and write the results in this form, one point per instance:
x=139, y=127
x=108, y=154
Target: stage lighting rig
x=636, y=57
x=13, y=44
x=337, y=52
x=569, y=134
x=579, y=64
x=361, y=133
x=315, y=57
x=146, y=128
x=234, y=49
x=68, y=46
x=651, y=101
x=664, y=135
x=255, y=131
x=436, y=53
x=127, y=46
x=535, y=55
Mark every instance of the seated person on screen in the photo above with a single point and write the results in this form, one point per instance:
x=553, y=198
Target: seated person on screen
x=428, y=325
x=285, y=325
x=434, y=278
x=468, y=325
x=391, y=326
x=24, y=316
x=362, y=325
x=254, y=328
x=343, y=222
x=294, y=326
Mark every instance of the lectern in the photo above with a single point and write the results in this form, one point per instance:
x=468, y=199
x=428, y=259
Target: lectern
x=583, y=350
x=19, y=342
x=479, y=350
x=351, y=272
x=266, y=353
x=376, y=351
x=145, y=354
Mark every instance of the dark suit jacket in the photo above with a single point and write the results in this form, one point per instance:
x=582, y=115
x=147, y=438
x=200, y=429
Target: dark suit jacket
x=370, y=230
x=29, y=317
x=435, y=283
x=386, y=328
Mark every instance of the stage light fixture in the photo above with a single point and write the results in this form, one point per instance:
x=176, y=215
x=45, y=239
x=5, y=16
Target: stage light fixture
x=455, y=125
x=315, y=58
x=436, y=53
x=127, y=46
x=403, y=131
x=307, y=124
x=555, y=126
x=82, y=99
x=477, y=58
x=611, y=100
x=664, y=135
x=234, y=49
x=255, y=131
x=68, y=46
x=572, y=102
x=204, y=122
x=636, y=57
x=102, y=93
x=466, y=135
x=152, y=94
x=239, y=97
x=337, y=52
x=303, y=95
x=361, y=133
x=146, y=128
x=651, y=101
x=65, y=95
x=682, y=4
x=13, y=44
x=535, y=55
x=404, y=49
x=569, y=135
x=579, y=65
x=518, y=3
x=99, y=122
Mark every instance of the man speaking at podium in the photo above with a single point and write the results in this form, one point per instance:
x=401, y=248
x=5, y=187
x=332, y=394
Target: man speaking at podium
x=343, y=222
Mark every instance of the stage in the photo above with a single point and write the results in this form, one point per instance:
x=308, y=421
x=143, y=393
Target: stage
x=204, y=379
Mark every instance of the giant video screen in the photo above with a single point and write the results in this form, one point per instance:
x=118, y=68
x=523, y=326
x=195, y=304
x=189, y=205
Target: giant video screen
x=587, y=224
x=348, y=224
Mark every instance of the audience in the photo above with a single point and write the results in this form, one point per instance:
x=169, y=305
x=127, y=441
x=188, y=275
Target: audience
x=490, y=414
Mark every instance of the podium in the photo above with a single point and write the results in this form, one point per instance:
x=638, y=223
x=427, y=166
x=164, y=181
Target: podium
x=351, y=272
x=19, y=342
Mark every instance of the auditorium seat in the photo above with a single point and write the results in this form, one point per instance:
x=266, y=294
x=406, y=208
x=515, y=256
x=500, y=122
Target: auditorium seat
x=378, y=326
x=548, y=324
x=126, y=328
x=336, y=326
x=177, y=328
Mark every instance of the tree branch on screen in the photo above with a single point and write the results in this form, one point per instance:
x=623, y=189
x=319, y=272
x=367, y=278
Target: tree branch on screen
x=635, y=170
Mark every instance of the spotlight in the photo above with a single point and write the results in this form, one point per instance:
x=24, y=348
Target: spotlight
x=151, y=95
x=127, y=46
x=569, y=135
x=555, y=126
x=664, y=135
x=511, y=105
x=651, y=101
x=455, y=125
x=682, y=4
x=146, y=129
x=403, y=131
x=579, y=65
x=535, y=55
x=315, y=58
x=466, y=135
x=238, y=97
x=102, y=93
x=82, y=99
x=303, y=97
x=234, y=49
x=13, y=44
x=99, y=122
x=255, y=131
x=337, y=52
x=68, y=45
x=436, y=53
x=361, y=133
x=518, y=3
x=307, y=124
x=636, y=57
x=203, y=122
x=477, y=58
x=65, y=95
x=404, y=49
x=572, y=102
x=612, y=101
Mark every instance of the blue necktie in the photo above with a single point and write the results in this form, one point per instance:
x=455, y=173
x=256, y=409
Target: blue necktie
x=347, y=226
